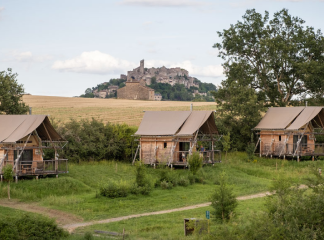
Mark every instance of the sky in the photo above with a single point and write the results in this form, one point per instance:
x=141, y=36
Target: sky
x=61, y=48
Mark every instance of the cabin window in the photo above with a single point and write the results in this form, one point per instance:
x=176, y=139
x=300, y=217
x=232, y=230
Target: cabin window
x=279, y=137
x=165, y=145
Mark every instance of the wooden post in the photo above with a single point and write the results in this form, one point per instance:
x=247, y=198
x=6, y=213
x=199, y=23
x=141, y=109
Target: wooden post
x=260, y=146
x=37, y=178
x=56, y=175
x=16, y=179
x=56, y=160
x=1, y=177
x=297, y=158
x=154, y=165
x=313, y=158
x=276, y=166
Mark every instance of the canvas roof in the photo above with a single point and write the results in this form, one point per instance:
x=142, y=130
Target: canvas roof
x=287, y=118
x=166, y=123
x=196, y=120
x=306, y=116
x=15, y=127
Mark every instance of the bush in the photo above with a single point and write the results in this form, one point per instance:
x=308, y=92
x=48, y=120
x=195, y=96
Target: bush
x=30, y=227
x=192, y=179
x=115, y=190
x=195, y=162
x=183, y=181
x=166, y=185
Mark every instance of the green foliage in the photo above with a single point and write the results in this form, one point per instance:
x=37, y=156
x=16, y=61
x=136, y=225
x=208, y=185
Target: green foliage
x=280, y=58
x=103, y=86
x=250, y=149
x=7, y=172
x=143, y=183
x=94, y=141
x=11, y=94
x=115, y=189
x=166, y=185
x=195, y=162
x=30, y=227
x=223, y=200
x=88, y=236
x=239, y=111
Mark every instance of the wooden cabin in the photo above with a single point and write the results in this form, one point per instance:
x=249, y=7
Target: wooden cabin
x=23, y=139
x=168, y=137
x=291, y=132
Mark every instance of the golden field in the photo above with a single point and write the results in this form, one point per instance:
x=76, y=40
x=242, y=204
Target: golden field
x=107, y=110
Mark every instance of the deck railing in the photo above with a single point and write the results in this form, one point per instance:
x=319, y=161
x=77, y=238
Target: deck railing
x=44, y=167
x=292, y=149
x=209, y=156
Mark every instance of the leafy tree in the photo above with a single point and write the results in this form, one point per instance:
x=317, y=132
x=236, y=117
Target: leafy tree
x=239, y=110
x=8, y=175
x=223, y=200
x=195, y=162
x=11, y=94
x=226, y=143
x=280, y=58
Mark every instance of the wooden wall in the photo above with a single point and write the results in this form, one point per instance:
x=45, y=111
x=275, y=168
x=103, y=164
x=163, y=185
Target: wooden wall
x=163, y=154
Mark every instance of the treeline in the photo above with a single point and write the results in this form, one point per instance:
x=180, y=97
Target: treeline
x=93, y=140
x=103, y=86
x=179, y=92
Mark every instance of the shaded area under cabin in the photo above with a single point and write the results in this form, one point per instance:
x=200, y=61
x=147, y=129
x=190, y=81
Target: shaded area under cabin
x=23, y=139
x=170, y=137
x=291, y=132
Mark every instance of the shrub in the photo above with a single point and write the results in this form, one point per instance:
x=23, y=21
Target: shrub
x=183, y=181
x=115, y=190
x=195, y=162
x=30, y=227
x=223, y=200
x=166, y=185
x=192, y=179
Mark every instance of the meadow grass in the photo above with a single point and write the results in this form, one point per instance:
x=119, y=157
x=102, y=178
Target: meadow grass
x=171, y=225
x=78, y=191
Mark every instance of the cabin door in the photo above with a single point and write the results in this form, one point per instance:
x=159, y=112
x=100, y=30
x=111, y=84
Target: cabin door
x=183, y=151
x=303, y=142
x=27, y=159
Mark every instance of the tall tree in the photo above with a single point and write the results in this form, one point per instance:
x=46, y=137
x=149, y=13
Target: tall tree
x=280, y=57
x=11, y=94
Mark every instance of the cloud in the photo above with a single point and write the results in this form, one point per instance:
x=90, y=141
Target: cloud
x=163, y=3
x=96, y=62
x=29, y=57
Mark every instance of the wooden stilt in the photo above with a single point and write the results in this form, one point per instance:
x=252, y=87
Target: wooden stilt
x=16, y=179
x=56, y=175
x=1, y=177
x=297, y=158
x=313, y=158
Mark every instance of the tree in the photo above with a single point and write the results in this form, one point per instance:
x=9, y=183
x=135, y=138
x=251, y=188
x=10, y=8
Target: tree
x=11, y=94
x=280, y=58
x=8, y=175
x=226, y=143
x=223, y=200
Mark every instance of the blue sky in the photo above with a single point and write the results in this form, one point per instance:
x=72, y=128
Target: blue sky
x=60, y=48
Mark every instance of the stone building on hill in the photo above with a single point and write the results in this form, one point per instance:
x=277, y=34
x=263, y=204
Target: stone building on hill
x=171, y=76
x=136, y=90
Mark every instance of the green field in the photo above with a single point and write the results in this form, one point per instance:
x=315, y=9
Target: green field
x=78, y=193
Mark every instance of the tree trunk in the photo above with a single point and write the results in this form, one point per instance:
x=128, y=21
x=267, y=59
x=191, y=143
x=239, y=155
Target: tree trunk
x=9, y=190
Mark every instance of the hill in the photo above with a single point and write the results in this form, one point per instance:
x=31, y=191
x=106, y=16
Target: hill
x=107, y=110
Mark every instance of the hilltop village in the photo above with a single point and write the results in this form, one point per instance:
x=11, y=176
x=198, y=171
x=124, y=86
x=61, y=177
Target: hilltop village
x=145, y=84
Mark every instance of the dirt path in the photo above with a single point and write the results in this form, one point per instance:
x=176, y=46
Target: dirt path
x=72, y=227
x=62, y=218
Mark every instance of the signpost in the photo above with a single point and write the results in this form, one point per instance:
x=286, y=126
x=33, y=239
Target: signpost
x=208, y=217
x=207, y=214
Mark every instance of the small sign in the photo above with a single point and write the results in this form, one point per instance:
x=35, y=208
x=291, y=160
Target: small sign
x=207, y=214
